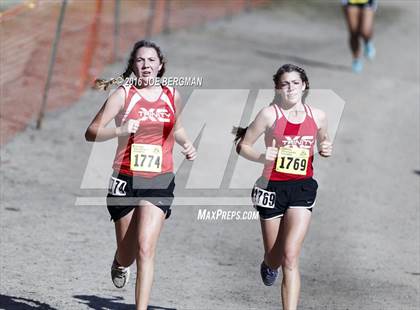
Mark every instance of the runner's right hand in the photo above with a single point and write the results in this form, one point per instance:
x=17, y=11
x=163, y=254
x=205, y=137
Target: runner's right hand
x=271, y=152
x=129, y=127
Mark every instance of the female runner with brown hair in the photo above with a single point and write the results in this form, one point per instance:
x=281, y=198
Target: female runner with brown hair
x=141, y=188
x=285, y=193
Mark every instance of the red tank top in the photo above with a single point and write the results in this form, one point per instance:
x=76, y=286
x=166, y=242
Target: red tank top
x=296, y=147
x=148, y=152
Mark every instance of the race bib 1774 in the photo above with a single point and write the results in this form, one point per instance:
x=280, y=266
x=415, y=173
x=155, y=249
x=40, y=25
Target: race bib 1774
x=146, y=157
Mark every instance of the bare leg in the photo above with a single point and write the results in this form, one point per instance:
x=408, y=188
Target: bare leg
x=150, y=222
x=126, y=235
x=353, y=16
x=271, y=232
x=296, y=224
x=366, y=28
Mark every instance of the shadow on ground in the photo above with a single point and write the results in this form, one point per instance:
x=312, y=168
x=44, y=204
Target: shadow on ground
x=100, y=303
x=305, y=61
x=20, y=303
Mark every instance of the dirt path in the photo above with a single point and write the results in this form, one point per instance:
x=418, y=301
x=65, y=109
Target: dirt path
x=362, y=251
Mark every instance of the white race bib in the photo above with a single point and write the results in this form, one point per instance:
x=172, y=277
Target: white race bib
x=117, y=187
x=263, y=198
x=146, y=157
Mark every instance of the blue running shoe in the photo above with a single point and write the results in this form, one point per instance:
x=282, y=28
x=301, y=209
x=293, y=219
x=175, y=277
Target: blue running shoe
x=357, y=65
x=370, y=50
x=268, y=275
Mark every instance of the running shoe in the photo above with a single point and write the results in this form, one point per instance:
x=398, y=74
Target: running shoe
x=119, y=274
x=268, y=275
x=369, y=50
x=357, y=65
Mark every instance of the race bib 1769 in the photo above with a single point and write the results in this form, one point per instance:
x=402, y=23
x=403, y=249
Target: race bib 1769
x=263, y=198
x=293, y=160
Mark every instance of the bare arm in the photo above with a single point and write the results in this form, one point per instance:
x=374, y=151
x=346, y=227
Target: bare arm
x=323, y=139
x=264, y=119
x=96, y=131
x=180, y=134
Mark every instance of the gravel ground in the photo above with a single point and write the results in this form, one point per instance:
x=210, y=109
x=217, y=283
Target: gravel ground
x=362, y=251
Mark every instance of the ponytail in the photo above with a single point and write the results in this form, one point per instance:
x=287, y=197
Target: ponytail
x=239, y=133
x=102, y=84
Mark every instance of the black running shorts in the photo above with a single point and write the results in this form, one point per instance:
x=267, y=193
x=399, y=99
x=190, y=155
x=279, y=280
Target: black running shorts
x=273, y=198
x=125, y=193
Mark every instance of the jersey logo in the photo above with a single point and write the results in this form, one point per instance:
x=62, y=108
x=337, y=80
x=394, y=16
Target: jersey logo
x=300, y=141
x=155, y=115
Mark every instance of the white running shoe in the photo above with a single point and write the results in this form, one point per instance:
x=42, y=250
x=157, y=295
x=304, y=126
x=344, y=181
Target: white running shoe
x=119, y=274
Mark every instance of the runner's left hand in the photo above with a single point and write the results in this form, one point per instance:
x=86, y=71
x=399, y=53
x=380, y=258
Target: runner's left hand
x=325, y=148
x=189, y=151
